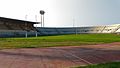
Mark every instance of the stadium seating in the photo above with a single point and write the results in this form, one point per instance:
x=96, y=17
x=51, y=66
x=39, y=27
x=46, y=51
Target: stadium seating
x=15, y=28
x=79, y=30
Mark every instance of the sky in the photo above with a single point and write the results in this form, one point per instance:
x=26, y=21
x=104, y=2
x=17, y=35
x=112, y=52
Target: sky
x=64, y=13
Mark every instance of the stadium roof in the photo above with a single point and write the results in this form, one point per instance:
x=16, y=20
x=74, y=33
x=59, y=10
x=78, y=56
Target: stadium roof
x=15, y=20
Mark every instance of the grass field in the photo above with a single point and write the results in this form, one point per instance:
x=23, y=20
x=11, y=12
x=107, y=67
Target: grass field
x=63, y=40
x=105, y=65
x=60, y=40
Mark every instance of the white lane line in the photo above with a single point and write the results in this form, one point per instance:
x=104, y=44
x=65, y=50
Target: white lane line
x=75, y=56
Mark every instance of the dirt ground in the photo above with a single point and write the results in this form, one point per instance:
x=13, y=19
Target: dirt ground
x=59, y=57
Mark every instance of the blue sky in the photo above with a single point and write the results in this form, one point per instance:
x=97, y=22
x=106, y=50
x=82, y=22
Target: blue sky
x=63, y=13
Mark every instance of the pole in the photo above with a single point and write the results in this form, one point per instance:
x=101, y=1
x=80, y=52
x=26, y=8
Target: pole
x=41, y=21
x=76, y=31
x=36, y=26
x=75, y=28
x=42, y=17
x=26, y=35
x=73, y=22
x=36, y=18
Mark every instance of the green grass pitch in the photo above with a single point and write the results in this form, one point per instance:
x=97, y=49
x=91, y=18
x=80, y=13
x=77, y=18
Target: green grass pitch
x=60, y=40
x=63, y=40
x=103, y=65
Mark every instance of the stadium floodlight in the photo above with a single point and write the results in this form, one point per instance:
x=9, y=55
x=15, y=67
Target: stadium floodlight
x=42, y=12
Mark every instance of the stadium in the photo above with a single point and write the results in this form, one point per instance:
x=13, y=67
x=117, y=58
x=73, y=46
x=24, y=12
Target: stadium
x=57, y=47
x=20, y=28
x=60, y=34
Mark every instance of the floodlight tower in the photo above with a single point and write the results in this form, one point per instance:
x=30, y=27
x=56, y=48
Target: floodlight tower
x=42, y=12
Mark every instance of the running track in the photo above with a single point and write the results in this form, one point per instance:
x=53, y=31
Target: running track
x=59, y=57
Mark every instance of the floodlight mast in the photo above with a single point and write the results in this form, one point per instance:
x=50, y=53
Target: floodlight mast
x=42, y=12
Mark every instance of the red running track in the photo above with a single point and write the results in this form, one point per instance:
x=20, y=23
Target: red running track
x=59, y=57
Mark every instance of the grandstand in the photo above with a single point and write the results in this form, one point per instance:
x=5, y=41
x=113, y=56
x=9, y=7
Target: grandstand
x=19, y=28
x=79, y=30
x=15, y=28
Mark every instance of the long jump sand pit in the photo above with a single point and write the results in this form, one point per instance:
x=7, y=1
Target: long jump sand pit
x=59, y=57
